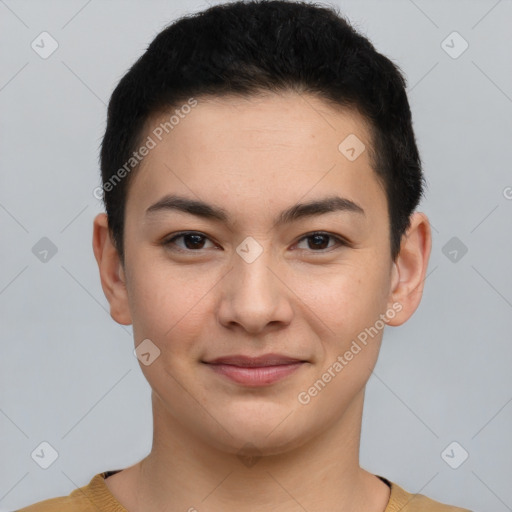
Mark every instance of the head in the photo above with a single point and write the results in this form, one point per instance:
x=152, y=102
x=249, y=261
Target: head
x=281, y=142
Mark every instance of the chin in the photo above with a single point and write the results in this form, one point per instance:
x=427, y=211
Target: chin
x=258, y=435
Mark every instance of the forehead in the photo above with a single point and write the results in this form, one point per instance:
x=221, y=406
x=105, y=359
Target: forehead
x=258, y=150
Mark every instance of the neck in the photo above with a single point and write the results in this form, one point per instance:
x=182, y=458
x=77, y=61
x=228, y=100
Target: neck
x=323, y=473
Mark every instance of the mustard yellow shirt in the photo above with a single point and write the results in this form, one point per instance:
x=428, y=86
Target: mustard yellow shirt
x=96, y=497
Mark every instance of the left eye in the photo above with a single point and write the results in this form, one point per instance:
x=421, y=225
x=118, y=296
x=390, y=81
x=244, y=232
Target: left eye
x=194, y=241
x=319, y=240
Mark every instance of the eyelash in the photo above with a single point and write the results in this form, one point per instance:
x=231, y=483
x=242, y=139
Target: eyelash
x=340, y=241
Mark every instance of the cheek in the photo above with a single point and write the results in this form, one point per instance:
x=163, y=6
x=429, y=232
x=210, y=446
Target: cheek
x=351, y=307
x=166, y=303
x=349, y=297
x=170, y=302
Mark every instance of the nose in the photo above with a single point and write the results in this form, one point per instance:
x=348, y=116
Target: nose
x=254, y=295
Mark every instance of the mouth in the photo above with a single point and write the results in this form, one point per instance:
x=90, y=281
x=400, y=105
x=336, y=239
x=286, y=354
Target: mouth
x=255, y=371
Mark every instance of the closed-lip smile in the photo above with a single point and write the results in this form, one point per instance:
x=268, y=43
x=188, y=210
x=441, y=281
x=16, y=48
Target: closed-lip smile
x=248, y=361
x=255, y=371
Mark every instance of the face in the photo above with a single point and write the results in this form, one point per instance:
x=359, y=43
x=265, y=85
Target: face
x=239, y=278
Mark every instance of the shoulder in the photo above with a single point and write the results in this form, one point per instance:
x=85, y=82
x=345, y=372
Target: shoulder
x=92, y=497
x=403, y=501
x=61, y=504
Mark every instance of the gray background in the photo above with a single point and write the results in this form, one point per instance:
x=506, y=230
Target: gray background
x=68, y=373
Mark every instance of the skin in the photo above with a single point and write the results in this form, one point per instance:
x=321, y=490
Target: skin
x=256, y=157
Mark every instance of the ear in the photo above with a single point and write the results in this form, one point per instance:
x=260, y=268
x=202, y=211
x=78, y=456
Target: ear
x=112, y=275
x=410, y=268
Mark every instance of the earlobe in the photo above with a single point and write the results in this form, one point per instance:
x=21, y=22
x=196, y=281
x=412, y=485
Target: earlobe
x=111, y=270
x=409, y=269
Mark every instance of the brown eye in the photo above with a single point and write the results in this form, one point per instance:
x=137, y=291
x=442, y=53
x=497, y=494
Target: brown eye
x=192, y=241
x=318, y=242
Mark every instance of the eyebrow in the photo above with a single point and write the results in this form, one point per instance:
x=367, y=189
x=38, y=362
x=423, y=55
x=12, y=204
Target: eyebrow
x=298, y=211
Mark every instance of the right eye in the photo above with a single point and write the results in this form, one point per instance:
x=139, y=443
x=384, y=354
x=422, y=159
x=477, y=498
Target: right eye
x=193, y=241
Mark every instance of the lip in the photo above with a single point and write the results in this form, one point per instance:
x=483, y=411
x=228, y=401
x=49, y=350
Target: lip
x=255, y=371
x=248, y=361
